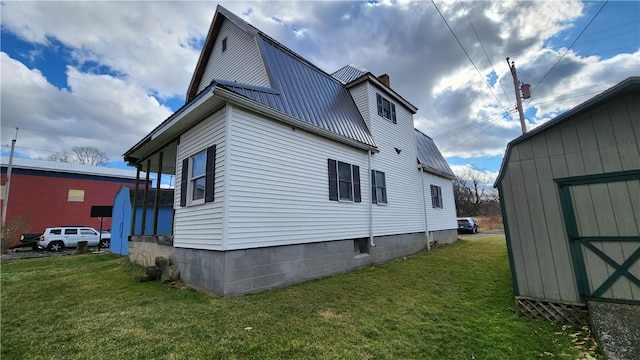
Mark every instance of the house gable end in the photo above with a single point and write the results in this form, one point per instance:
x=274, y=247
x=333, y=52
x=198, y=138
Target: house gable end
x=230, y=53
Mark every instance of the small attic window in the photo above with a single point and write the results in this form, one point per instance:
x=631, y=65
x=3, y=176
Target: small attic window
x=224, y=44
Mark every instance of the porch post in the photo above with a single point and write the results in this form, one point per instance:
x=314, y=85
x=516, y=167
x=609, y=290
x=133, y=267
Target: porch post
x=135, y=201
x=156, y=202
x=145, y=198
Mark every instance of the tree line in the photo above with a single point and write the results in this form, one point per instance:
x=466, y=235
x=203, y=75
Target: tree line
x=86, y=155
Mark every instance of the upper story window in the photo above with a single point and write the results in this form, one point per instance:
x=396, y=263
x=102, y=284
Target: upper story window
x=224, y=44
x=344, y=181
x=198, y=177
x=386, y=108
x=436, y=197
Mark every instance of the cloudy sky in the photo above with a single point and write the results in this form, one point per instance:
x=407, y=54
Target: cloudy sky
x=103, y=74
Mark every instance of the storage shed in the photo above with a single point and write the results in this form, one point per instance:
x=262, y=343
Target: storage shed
x=570, y=196
x=123, y=216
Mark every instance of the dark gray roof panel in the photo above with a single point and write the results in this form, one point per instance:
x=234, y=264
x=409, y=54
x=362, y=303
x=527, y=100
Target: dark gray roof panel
x=266, y=96
x=312, y=95
x=349, y=73
x=430, y=156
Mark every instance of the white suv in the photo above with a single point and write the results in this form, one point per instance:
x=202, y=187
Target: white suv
x=57, y=238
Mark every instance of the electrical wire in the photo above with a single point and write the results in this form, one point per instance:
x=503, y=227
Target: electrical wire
x=469, y=57
x=483, y=48
x=570, y=46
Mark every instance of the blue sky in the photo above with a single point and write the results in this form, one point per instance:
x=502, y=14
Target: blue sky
x=104, y=74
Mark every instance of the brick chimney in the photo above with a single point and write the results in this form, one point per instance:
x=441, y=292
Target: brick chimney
x=385, y=79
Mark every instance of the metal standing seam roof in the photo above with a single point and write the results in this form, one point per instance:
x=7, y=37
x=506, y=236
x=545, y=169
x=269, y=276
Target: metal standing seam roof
x=349, y=73
x=430, y=157
x=308, y=94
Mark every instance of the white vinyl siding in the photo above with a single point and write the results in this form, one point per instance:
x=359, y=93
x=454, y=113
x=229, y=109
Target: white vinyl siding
x=445, y=218
x=278, y=186
x=404, y=211
x=240, y=62
x=360, y=94
x=199, y=226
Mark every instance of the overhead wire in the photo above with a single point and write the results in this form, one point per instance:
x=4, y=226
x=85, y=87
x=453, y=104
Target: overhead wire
x=483, y=48
x=469, y=57
x=570, y=46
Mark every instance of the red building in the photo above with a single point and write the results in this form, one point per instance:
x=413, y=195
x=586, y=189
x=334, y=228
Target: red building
x=47, y=193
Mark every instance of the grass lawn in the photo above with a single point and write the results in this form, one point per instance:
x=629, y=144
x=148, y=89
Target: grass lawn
x=455, y=302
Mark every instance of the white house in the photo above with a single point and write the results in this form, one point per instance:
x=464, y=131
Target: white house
x=289, y=173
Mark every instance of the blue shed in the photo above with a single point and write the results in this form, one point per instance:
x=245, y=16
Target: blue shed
x=123, y=214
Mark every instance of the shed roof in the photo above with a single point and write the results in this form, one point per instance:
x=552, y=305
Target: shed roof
x=430, y=157
x=62, y=167
x=630, y=85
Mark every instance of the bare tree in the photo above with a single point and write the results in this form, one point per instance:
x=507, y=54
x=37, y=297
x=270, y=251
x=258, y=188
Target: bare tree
x=60, y=156
x=470, y=192
x=89, y=155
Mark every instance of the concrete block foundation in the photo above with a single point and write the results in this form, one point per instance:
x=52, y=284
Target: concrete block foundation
x=238, y=272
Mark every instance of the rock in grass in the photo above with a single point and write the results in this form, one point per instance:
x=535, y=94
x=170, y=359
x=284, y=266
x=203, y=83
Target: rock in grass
x=153, y=272
x=163, y=262
x=170, y=274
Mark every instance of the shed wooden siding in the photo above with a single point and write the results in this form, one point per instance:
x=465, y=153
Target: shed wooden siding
x=604, y=139
x=445, y=218
x=404, y=211
x=278, y=186
x=608, y=210
x=241, y=62
x=199, y=226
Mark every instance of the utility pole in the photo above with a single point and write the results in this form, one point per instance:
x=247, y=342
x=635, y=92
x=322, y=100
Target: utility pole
x=512, y=67
x=7, y=182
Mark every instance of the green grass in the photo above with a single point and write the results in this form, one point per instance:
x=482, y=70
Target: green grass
x=452, y=303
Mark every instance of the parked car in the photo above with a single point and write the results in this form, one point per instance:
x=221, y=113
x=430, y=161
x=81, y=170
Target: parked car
x=28, y=240
x=468, y=225
x=60, y=237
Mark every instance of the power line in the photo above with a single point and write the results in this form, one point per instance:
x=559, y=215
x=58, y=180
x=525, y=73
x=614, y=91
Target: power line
x=483, y=48
x=469, y=57
x=570, y=46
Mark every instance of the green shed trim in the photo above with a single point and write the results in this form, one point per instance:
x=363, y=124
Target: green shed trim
x=514, y=279
x=577, y=242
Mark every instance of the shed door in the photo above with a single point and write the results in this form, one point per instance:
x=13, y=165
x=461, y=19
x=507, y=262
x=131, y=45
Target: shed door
x=602, y=218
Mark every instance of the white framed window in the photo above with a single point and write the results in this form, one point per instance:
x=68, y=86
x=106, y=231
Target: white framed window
x=386, y=108
x=378, y=187
x=344, y=181
x=436, y=197
x=198, y=177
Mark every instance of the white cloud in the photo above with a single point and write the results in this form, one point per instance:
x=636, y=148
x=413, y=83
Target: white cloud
x=98, y=110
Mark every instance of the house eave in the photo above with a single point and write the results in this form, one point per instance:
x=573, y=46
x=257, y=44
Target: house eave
x=384, y=88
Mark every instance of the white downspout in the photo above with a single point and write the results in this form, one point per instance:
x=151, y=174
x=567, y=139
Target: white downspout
x=370, y=201
x=424, y=204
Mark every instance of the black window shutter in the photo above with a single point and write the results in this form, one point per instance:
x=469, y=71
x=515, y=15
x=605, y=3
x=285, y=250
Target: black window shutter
x=185, y=182
x=210, y=176
x=356, y=183
x=379, y=100
x=333, y=180
x=374, y=195
x=393, y=113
